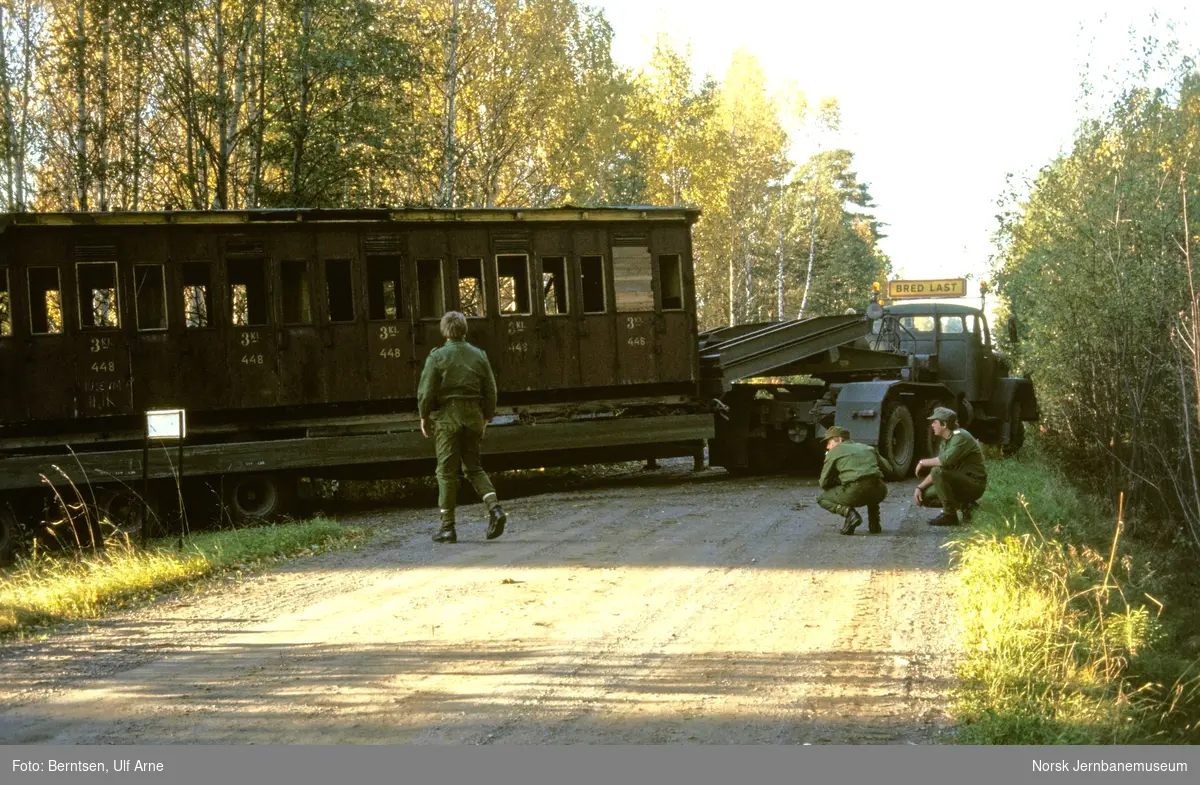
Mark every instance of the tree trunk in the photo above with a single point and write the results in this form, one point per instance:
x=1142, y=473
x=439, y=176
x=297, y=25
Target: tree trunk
x=300, y=130
x=221, y=196
x=81, y=159
x=22, y=200
x=812, y=253
x=779, y=272
x=7, y=121
x=102, y=151
x=450, y=77
x=259, y=117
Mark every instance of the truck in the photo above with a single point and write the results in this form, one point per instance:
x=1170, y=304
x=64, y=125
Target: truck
x=776, y=386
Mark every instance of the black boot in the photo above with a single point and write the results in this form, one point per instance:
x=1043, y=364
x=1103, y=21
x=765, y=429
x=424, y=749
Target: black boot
x=968, y=512
x=447, y=532
x=873, y=519
x=496, y=521
x=946, y=518
x=853, y=521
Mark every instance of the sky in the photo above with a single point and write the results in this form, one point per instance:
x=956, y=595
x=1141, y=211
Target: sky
x=940, y=101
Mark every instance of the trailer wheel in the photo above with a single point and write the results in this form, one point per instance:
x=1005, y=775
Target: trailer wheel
x=125, y=509
x=1016, y=431
x=254, y=497
x=897, y=440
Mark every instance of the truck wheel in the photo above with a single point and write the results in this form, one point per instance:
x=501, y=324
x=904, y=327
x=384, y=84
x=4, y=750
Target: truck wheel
x=897, y=440
x=10, y=533
x=253, y=497
x=1016, y=432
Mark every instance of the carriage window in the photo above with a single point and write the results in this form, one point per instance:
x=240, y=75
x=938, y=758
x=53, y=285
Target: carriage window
x=97, y=295
x=632, y=278
x=150, y=296
x=45, y=301
x=197, y=294
x=512, y=275
x=593, y=284
x=951, y=325
x=554, y=286
x=470, y=287
x=339, y=285
x=670, y=277
x=297, y=296
x=429, y=288
x=383, y=288
x=6, y=327
x=248, y=293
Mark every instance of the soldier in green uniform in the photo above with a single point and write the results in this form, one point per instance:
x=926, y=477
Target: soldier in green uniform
x=957, y=475
x=458, y=391
x=851, y=476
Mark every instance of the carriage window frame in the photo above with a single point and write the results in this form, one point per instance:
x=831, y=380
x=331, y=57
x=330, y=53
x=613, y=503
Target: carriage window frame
x=62, y=322
x=528, y=288
x=374, y=263
x=209, y=293
x=603, y=276
x=674, y=260
x=86, y=296
x=335, y=264
x=7, y=319
x=163, y=299
x=563, y=286
x=481, y=290
x=264, y=303
x=439, y=289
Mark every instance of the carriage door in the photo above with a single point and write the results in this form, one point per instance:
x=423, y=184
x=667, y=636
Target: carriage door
x=148, y=308
x=102, y=362
x=469, y=291
x=251, y=354
x=633, y=279
x=673, y=327
x=597, y=356
x=427, y=249
x=301, y=373
x=346, y=371
x=517, y=340
x=558, y=336
x=389, y=329
x=194, y=304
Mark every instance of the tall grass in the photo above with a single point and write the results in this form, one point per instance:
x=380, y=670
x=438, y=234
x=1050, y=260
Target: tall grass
x=1071, y=633
x=47, y=589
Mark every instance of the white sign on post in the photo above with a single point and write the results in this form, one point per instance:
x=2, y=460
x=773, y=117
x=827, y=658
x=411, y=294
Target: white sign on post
x=166, y=424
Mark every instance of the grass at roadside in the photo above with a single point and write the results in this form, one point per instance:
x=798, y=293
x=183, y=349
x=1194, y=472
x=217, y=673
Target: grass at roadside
x=44, y=590
x=1072, y=634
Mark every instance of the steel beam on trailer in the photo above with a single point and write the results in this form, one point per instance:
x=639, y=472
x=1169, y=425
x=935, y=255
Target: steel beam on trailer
x=761, y=352
x=299, y=454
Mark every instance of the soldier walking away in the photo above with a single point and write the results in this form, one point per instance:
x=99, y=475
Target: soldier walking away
x=957, y=475
x=852, y=476
x=458, y=391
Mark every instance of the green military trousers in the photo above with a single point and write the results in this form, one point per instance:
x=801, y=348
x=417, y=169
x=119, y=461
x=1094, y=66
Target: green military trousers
x=952, y=490
x=841, y=499
x=458, y=429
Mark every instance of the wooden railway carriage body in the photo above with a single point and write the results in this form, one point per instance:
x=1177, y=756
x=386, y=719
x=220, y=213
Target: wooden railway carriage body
x=288, y=325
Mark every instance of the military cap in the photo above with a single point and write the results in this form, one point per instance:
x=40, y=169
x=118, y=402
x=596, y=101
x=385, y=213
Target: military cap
x=943, y=414
x=834, y=432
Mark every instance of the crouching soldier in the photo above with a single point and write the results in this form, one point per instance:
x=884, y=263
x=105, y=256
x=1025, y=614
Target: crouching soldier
x=957, y=475
x=851, y=477
x=458, y=391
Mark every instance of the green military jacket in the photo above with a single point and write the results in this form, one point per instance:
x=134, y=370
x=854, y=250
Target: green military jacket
x=961, y=453
x=457, y=370
x=851, y=461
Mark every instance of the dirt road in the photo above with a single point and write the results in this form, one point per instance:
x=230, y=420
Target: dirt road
x=652, y=608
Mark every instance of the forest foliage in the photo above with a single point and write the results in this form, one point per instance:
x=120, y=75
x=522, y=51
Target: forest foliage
x=233, y=104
